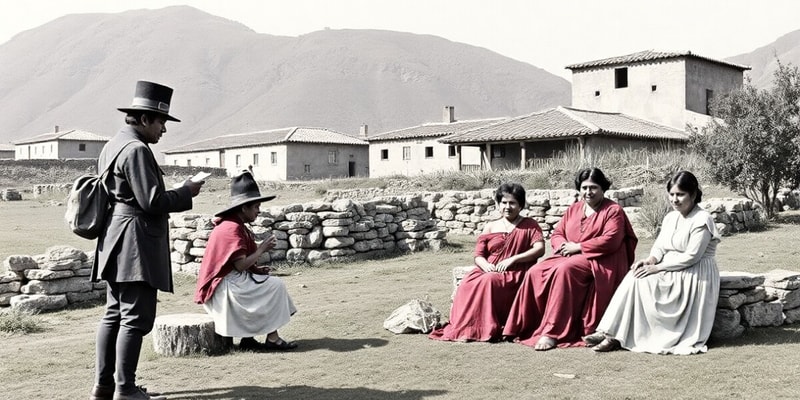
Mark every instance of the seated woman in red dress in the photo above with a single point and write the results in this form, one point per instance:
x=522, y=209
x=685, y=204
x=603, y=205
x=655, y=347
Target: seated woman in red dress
x=563, y=297
x=506, y=249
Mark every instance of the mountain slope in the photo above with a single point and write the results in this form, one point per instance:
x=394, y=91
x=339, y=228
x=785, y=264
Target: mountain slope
x=763, y=60
x=74, y=72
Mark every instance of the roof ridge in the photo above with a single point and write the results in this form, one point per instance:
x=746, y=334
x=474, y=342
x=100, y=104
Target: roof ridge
x=570, y=114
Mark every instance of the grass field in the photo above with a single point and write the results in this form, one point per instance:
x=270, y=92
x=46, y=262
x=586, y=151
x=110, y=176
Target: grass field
x=345, y=353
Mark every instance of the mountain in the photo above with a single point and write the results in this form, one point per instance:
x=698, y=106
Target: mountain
x=763, y=59
x=76, y=70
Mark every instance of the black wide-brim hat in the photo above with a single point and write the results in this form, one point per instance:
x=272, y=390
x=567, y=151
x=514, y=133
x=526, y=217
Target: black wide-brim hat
x=243, y=190
x=153, y=97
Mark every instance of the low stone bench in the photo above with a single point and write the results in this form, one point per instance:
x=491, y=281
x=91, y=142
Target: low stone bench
x=185, y=334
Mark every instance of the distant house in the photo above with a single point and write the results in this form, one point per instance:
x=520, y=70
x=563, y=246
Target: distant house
x=672, y=89
x=6, y=151
x=296, y=153
x=57, y=145
x=518, y=142
x=417, y=150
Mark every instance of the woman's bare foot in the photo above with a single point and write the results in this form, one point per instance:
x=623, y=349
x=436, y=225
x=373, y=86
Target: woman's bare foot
x=545, y=343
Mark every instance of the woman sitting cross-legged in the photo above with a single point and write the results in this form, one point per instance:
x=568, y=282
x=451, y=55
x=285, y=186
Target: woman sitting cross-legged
x=506, y=249
x=563, y=297
x=667, y=302
x=244, y=300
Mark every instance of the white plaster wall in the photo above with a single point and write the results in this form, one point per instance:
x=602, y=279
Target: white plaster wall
x=417, y=164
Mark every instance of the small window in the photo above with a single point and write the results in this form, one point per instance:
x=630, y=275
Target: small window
x=451, y=151
x=238, y=160
x=709, y=98
x=208, y=161
x=307, y=168
x=406, y=152
x=333, y=157
x=188, y=163
x=653, y=88
x=384, y=154
x=174, y=162
x=273, y=158
x=428, y=151
x=596, y=93
x=498, y=152
x=255, y=159
x=620, y=78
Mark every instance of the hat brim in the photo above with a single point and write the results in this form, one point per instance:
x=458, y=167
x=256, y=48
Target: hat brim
x=243, y=202
x=135, y=109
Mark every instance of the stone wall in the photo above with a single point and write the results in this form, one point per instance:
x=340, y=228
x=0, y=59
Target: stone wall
x=734, y=215
x=48, y=281
x=754, y=300
x=466, y=213
x=320, y=231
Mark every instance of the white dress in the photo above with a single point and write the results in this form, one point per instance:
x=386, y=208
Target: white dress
x=243, y=308
x=671, y=311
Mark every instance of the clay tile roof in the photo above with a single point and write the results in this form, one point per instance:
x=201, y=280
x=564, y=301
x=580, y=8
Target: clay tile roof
x=274, y=136
x=73, y=134
x=562, y=122
x=648, y=55
x=429, y=130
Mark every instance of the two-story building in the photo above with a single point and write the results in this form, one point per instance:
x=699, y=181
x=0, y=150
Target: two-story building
x=71, y=144
x=295, y=153
x=672, y=89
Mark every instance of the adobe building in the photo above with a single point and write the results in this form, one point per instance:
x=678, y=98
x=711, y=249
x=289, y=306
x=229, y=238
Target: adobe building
x=71, y=144
x=295, y=153
x=417, y=150
x=672, y=89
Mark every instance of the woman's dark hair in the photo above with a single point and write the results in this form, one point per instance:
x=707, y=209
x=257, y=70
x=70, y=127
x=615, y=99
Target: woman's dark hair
x=687, y=182
x=514, y=189
x=593, y=174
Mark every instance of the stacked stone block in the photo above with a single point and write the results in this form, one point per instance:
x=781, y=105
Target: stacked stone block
x=756, y=300
x=733, y=215
x=10, y=195
x=49, y=281
x=320, y=231
x=465, y=213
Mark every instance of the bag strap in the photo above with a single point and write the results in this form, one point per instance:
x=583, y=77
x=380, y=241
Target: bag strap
x=114, y=160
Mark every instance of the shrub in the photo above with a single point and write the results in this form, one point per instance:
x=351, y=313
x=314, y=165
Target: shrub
x=16, y=321
x=655, y=205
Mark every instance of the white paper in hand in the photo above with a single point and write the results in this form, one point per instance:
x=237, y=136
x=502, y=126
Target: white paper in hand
x=198, y=177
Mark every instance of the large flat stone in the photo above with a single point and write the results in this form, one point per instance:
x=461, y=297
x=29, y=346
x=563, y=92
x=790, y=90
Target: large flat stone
x=739, y=280
x=731, y=302
x=38, y=302
x=791, y=316
x=782, y=279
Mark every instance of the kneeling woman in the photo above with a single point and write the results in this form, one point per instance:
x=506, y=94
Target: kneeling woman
x=243, y=298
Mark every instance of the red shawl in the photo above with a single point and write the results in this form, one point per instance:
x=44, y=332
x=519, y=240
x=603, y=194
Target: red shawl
x=230, y=240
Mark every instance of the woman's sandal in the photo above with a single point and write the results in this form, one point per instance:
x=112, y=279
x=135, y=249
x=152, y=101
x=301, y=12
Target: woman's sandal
x=280, y=345
x=594, y=339
x=608, y=344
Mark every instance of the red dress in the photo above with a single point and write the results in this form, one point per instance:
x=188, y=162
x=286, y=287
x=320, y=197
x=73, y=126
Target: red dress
x=564, y=297
x=483, y=299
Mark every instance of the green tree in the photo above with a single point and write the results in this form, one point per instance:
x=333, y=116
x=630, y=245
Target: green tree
x=753, y=144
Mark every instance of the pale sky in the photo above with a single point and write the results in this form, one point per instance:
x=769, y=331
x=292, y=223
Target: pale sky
x=549, y=34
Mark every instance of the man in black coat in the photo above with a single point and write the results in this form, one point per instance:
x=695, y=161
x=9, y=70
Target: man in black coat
x=133, y=252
